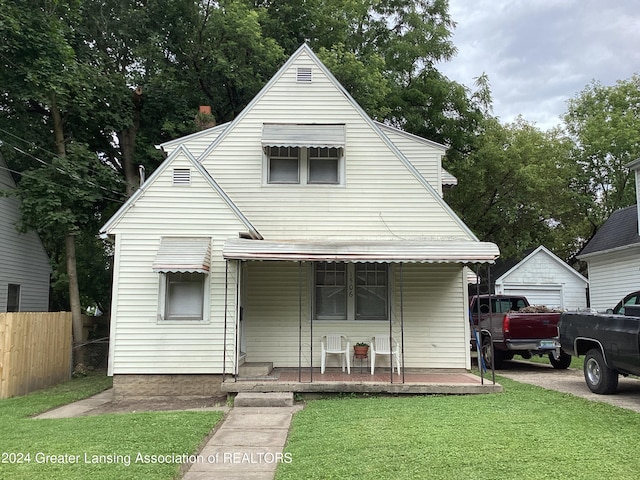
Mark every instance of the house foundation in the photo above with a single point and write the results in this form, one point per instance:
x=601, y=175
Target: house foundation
x=166, y=387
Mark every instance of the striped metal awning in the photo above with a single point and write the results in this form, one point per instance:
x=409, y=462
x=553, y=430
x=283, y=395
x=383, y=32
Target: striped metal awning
x=183, y=254
x=303, y=135
x=400, y=251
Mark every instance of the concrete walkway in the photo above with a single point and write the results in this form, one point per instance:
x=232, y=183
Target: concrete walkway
x=80, y=407
x=248, y=445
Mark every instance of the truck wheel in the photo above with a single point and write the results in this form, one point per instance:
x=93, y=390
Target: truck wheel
x=600, y=378
x=498, y=356
x=561, y=363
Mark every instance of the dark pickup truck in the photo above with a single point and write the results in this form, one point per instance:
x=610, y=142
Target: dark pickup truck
x=610, y=344
x=514, y=327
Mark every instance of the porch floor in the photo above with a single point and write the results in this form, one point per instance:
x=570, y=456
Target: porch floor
x=416, y=381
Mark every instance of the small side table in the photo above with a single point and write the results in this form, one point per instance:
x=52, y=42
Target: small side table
x=361, y=357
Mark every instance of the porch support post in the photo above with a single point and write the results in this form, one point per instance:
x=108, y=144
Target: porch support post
x=236, y=366
x=224, y=336
x=401, y=320
x=480, y=360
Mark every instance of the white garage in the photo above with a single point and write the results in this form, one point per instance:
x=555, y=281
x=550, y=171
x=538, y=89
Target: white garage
x=545, y=280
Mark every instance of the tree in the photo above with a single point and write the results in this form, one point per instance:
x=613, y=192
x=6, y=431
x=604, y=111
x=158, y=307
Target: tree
x=513, y=189
x=41, y=74
x=604, y=122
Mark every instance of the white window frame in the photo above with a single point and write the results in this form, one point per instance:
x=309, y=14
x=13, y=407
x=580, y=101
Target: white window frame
x=165, y=278
x=304, y=166
x=351, y=293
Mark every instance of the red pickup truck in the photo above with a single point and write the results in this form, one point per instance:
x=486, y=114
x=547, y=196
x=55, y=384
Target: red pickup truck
x=507, y=325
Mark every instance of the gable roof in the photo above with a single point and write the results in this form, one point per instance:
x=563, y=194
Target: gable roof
x=618, y=232
x=532, y=255
x=305, y=49
x=209, y=179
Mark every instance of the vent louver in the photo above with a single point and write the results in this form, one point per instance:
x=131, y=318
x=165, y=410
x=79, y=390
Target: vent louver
x=181, y=176
x=304, y=75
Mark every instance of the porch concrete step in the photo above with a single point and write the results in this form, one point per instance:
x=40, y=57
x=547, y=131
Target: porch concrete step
x=263, y=399
x=255, y=369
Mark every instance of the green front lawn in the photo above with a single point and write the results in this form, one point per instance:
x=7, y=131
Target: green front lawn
x=96, y=447
x=524, y=433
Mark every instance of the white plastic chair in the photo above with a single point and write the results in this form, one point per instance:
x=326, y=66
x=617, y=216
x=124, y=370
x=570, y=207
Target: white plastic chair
x=335, y=344
x=380, y=345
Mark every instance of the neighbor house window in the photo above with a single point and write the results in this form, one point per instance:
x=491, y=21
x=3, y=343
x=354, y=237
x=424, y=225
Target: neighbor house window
x=348, y=291
x=184, y=296
x=13, y=298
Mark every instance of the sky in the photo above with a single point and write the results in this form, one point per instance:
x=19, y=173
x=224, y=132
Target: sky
x=540, y=53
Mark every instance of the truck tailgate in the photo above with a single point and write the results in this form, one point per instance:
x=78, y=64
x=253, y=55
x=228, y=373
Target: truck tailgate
x=532, y=325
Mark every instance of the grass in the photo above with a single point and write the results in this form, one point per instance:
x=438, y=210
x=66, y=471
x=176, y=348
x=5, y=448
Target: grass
x=111, y=440
x=524, y=433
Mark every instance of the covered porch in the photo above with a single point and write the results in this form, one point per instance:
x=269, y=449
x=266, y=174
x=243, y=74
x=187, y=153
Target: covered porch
x=420, y=288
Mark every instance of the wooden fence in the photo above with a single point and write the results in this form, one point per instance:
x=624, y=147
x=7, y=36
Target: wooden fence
x=35, y=351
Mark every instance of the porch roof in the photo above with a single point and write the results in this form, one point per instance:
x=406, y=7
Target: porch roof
x=396, y=251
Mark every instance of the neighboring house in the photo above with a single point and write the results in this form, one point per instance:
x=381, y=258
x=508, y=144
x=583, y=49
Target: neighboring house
x=301, y=217
x=24, y=265
x=613, y=254
x=545, y=279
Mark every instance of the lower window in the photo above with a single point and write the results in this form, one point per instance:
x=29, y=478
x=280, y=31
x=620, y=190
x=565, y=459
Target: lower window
x=351, y=291
x=184, y=296
x=13, y=297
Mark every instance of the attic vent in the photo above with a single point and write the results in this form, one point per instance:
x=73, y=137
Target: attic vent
x=181, y=176
x=304, y=74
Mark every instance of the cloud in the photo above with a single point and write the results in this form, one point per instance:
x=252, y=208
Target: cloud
x=538, y=54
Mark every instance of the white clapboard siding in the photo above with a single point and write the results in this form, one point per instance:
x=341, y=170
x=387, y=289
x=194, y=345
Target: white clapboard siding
x=612, y=276
x=423, y=154
x=381, y=197
x=140, y=343
x=23, y=260
x=434, y=335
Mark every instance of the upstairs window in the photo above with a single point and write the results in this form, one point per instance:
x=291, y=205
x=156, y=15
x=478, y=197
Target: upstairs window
x=284, y=165
x=324, y=165
x=304, y=154
x=301, y=165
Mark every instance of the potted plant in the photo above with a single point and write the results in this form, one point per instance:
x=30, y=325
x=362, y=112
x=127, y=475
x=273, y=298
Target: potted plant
x=361, y=349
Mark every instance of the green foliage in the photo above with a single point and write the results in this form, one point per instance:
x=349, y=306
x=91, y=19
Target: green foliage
x=517, y=434
x=513, y=189
x=604, y=122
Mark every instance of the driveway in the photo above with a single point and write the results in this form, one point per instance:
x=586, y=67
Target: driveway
x=571, y=381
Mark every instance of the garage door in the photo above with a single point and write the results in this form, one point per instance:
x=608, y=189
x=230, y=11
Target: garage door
x=550, y=295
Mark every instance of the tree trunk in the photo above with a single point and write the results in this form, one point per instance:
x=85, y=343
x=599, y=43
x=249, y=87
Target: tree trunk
x=70, y=243
x=74, y=296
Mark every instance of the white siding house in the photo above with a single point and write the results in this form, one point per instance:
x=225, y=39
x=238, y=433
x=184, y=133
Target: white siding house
x=545, y=279
x=613, y=254
x=24, y=264
x=300, y=217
